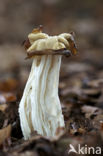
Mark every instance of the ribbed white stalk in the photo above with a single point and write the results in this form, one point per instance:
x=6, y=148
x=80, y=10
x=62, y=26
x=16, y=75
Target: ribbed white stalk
x=40, y=108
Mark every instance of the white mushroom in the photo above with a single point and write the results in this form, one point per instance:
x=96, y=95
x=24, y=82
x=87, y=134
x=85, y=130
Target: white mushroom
x=40, y=108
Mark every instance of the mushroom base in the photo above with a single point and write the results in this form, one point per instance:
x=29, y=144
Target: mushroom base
x=40, y=108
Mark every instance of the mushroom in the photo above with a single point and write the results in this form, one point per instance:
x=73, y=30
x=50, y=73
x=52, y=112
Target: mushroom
x=40, y=108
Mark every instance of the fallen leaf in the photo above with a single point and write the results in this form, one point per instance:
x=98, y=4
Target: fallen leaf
x=5, y=134
x=90, y=111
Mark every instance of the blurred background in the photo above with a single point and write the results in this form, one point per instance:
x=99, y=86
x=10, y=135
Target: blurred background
x=18, y=18
x=81, y=77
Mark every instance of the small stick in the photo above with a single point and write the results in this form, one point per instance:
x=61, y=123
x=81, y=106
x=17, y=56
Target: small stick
x=49, y=52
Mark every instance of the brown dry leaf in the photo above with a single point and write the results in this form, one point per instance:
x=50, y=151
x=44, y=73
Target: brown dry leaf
x=81, y=130
x=5, y=134
x=90, y=111
x=39, y=144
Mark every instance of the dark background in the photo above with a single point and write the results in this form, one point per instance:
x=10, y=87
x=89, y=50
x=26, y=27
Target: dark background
x=18, y=18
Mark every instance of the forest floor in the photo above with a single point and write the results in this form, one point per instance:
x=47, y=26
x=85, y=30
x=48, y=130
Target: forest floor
x=81, y=95
x=80, y=92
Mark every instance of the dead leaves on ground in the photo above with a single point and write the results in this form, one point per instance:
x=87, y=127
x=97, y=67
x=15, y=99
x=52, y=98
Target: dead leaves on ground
x=5, y=134
x=91, y=111
x=81, y=100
